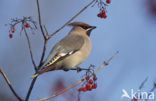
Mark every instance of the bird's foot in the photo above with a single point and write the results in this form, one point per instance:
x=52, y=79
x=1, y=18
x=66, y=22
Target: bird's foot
x=79, y=69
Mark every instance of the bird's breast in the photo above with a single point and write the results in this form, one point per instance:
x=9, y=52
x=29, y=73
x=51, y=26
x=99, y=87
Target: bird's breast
x=78, y=57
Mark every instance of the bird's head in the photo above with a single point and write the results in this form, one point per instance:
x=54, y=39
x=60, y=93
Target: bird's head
x=83, y=27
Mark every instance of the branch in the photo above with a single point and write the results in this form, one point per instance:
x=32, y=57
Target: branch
x=143, y=83
x=75, y=84
x=39, y=19
x=30, y=49
x=9, y=84
x=45, y=38
x=33, y=81
x=71, y=19
x=30, y=89
x=43, y=52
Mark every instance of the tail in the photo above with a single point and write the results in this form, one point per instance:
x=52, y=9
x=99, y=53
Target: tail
x=36, y=75
x=49, y=68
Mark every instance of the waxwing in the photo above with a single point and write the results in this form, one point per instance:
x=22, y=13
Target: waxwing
x=71, y=51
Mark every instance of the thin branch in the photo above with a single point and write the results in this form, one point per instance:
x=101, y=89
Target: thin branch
x=39, y=19
x=30, y=89
x=43, y=53
x=46, y=30
x=143, y=83
x=30, y=49
x=71, y=19
x=45, y=38
x=9, y=84
x=75, y=84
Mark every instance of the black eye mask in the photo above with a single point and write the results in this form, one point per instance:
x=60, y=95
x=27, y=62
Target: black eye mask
x=85, y=27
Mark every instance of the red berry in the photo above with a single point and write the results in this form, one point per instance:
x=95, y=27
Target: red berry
x=94, y=86
x=91, y=81
x=84, y=89
x=13, y=30
x=94, y=78
x=99, y=15
x=108, y=1
x=88, y=86
x=103, y=12
x=104, y=16
x=10, y=36
x=87, y=77
x=80, y=89
x=27, y=25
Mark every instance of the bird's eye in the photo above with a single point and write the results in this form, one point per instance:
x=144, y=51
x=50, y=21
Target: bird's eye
x=84, y=27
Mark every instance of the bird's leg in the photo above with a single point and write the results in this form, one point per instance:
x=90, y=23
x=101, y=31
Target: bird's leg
x=78, y=69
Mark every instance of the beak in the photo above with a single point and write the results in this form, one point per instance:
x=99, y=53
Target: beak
x=93, y=27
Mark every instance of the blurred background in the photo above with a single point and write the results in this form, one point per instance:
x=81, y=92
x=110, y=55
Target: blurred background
x=130, y=29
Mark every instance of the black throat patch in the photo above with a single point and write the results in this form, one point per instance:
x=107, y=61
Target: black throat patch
x=89, y=32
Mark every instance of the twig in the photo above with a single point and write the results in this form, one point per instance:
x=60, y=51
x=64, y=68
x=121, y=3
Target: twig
x=71, y=19
x=9, y=84
x=43, y=52
x=143, y=83
x=140, y=87
x=45, y=38
x=39, y=19
x=78, y=97
x=30, y=49
x=30, y=89
x=46, y=30
x=75, y=84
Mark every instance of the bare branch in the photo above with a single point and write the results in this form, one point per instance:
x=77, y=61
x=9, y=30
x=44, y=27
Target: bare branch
x=75, y=84
x=71, y=19
x=39, y=19
x=46, y=30
x=143, y=83
x=30, y=89
x=9, y=84
x=45, y=36
x=43, y=53
x=30, y=49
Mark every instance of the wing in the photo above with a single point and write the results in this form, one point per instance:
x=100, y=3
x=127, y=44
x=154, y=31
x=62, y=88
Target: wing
x=67, y=46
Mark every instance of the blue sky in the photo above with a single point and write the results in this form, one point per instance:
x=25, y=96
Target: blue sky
x=128, y=29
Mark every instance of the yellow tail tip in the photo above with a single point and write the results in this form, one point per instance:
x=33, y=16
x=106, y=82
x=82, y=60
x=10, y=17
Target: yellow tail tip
x=34, y=76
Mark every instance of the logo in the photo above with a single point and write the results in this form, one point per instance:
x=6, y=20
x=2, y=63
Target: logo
x=140, y=95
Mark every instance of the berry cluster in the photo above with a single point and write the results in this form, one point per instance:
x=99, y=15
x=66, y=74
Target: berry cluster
x=13, y=30
x=102, y=14
x=24, y=23
x=89, y=84
x=102, y=5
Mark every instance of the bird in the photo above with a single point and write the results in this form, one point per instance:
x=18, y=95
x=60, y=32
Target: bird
x=71, y=51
